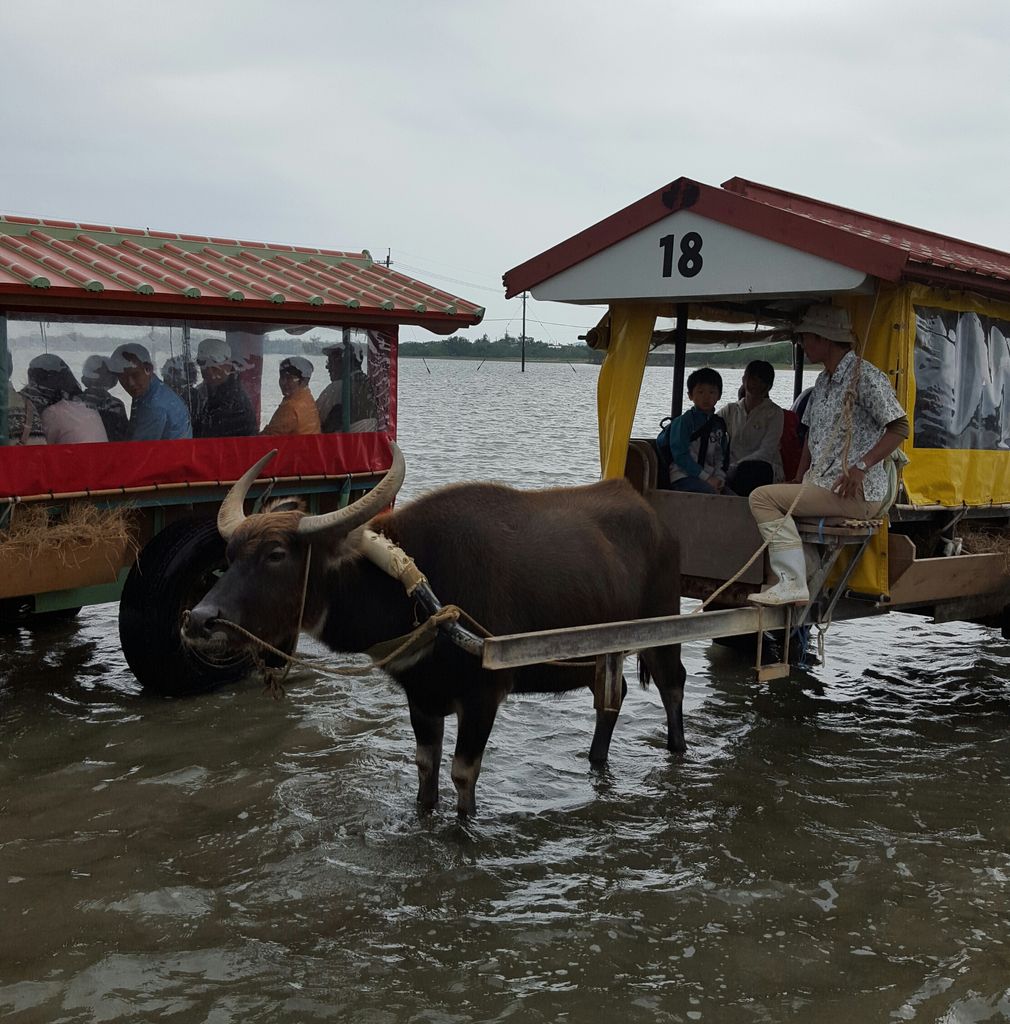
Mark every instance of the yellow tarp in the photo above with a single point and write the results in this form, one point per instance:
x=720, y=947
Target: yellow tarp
x=631, y=327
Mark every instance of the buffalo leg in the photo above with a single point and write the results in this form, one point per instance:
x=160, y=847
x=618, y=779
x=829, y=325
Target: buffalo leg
x=428, y=730
x=664, y=665
x=475, y=718
x=607, y=704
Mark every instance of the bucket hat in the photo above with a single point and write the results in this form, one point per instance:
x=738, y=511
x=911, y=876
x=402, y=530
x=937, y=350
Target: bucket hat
x=831, y=322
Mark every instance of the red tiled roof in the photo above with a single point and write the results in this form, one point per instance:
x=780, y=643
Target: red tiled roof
x=85, y=263
x=882, y=248
x=927, y=248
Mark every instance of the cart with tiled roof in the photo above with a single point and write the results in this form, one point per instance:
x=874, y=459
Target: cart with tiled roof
x=71, y=296
x=742, y=263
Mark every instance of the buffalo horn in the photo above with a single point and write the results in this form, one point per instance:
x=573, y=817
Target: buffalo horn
x=231, y=514
x=360, y=511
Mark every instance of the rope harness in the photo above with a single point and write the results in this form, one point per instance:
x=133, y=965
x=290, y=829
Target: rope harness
x=388, y=654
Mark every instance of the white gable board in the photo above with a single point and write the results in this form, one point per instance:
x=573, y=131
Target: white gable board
x=686, y=256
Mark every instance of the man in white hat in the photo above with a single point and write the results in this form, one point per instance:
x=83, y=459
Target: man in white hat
x=157, y=413
x=856, y=490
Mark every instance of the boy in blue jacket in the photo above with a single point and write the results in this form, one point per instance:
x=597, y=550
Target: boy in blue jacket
x=699, y=441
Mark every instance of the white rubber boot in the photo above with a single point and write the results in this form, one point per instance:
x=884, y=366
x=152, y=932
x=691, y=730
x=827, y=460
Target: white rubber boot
x=785, y=553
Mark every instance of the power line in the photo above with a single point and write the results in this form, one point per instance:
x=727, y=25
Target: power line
x=444, y=277
x=428, y=259
x=543, y=323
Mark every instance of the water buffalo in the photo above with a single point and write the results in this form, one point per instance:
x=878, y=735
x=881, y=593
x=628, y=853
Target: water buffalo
x=516, y=561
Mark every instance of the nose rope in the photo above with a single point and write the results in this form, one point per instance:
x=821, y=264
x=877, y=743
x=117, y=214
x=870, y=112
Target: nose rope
x=381, y=655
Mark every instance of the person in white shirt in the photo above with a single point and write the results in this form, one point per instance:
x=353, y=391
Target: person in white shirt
x=755, y=429
x=65, y=417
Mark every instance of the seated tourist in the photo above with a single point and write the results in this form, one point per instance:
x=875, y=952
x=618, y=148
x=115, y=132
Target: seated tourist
x=97, y=379
x=297, y=413
x=66, y=419
x=698, y=441
x=330, y=403
x=755, y=431
x=222, y=407
x=156, y=413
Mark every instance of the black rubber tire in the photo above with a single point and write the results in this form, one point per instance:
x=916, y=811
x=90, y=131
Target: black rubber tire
x=175, y=569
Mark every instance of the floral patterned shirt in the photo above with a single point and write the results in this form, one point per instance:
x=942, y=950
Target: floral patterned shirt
x=875, y=406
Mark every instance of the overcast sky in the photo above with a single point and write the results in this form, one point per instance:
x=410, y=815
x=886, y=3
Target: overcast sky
x=466, y=137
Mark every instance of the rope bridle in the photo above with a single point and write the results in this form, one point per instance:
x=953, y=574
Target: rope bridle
x=395, y=562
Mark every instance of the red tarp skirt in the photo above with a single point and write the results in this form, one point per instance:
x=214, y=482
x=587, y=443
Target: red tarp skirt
x=42, y=469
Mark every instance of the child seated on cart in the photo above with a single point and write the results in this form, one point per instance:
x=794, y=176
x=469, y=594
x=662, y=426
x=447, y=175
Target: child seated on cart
x=696, y=442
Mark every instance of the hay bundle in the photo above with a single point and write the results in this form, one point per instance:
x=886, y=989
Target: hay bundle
x=981, y=541
x=73, y=531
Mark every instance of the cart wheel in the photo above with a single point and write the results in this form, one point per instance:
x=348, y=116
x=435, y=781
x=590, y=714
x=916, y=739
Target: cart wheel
x=173, y=572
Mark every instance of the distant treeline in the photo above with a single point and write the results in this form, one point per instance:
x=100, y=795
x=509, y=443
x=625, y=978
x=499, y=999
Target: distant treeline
x=509, y=349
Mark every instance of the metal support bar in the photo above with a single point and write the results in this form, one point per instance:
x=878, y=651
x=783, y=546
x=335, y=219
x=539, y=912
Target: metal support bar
x=797, y=371
x=828, y=555
x=849, y=570
x=679, y=360
x=634, y=635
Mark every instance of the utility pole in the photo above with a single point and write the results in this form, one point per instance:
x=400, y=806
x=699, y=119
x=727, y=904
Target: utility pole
x=523, y=343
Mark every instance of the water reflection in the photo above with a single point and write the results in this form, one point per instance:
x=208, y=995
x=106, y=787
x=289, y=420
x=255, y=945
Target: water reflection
x=839, y=852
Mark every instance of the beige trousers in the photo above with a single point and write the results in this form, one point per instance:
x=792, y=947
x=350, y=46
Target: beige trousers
x=773, y=501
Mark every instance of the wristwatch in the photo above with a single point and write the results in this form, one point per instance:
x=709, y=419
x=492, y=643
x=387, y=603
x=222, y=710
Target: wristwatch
x=860, y=465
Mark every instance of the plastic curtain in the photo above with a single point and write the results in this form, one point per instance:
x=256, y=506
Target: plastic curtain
x=620, y=382
x=955, y=476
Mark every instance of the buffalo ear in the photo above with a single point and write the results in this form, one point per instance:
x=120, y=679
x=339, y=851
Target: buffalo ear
x=285, y=505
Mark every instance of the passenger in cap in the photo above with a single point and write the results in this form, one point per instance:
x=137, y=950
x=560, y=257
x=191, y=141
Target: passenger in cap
x=221, y=407
x=297, y=413
x=97, y=379
x=157, y=413
x=59, y=399
x=345, y=359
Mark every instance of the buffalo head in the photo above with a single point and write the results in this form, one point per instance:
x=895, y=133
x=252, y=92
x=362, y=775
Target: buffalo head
x=269, y=567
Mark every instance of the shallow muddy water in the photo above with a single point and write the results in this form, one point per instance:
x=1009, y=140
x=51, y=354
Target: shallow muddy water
x=834, y=848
